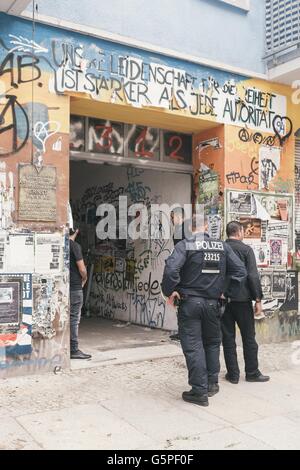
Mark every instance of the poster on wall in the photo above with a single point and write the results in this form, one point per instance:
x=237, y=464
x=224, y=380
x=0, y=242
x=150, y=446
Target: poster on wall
x=266, y=279
x=3, y=241
x=281, y=217
x=15, y=337
x=283, y=209
x=264, y=228
x=272, y=210
x=20, y=257
x=276, y=252
x=215, y=226
x=297, y=243
x=291, y=299
x=143, y=142
x=10, y=303
x=279, y=284
x=105, y=136
x=278, y=230
x=240, y=202
x=278, y=207
x=252, y=227
x=262, y=254
x=107, y=264
x=208, y=188
x=269, y=165
x=269, y=204
x=48, y=253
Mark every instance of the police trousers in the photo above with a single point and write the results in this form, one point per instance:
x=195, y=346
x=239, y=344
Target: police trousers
x=76, y=301
x=199, y=330
x=240, y=313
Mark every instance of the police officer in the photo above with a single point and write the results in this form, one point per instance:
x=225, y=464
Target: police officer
x=194, y=275
x=239, y=311
x=181, y=225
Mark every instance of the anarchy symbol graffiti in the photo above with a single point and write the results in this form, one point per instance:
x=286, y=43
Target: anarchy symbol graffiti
x=11, y=107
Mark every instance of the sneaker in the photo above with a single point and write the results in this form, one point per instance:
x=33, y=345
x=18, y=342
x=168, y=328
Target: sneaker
x=80, y=355
x=196, y=398
x=213, y=389
x=258, y=377
x=261, y=316
x=232, y=380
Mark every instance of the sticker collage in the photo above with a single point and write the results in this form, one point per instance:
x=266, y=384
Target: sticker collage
x=268, y=224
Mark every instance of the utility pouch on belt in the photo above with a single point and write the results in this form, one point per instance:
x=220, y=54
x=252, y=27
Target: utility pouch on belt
x=222, y=305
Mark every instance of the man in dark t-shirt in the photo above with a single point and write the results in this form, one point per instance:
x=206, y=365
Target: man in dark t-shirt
x=78, y=278
x=181, y=231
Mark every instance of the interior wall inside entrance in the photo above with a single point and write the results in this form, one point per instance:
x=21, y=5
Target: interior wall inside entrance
x=126, y=274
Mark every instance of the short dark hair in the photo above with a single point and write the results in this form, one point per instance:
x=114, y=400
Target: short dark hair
x=233, y=228
x=72, y=231
x=178, y=210
x=199, y=221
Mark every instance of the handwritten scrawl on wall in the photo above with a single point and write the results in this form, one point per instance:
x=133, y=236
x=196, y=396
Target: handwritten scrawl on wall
x=131, y=80
x=127, y=275
x=255, y=160
x=120, y=289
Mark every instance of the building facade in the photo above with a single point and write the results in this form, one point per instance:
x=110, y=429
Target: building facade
x=219, y=31
x=85, y=120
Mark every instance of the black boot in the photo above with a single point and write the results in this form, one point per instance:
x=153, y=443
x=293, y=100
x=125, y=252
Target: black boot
x=196, y=398
x=232, y=380
x=80, y=355
x=257, y=377
x=174, y=337
x=213, y=389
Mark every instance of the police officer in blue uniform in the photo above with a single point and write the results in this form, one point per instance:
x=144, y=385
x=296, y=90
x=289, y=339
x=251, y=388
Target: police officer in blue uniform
x=194, y=276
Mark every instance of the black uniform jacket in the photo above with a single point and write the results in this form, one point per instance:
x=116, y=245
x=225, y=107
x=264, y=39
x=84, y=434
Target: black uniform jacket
x=251, y=287
x=199, y=265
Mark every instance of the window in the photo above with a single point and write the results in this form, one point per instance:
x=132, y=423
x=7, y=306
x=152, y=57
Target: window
x=282, y=23
x=134, y=141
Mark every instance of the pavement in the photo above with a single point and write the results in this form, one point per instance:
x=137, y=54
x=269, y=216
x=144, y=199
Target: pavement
x=134, y=402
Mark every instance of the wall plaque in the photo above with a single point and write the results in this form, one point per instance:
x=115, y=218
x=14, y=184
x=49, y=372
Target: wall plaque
x=37, y=193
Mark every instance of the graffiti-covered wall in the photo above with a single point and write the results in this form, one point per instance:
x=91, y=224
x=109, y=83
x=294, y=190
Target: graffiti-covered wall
x=34, y=140
x=127, y=273
x=244, y=134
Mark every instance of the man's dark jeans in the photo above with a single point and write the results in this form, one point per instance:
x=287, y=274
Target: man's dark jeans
x=200, y=336
x=76, y=302
x=242, y=314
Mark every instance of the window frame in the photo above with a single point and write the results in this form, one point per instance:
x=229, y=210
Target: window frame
x=242, y=4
